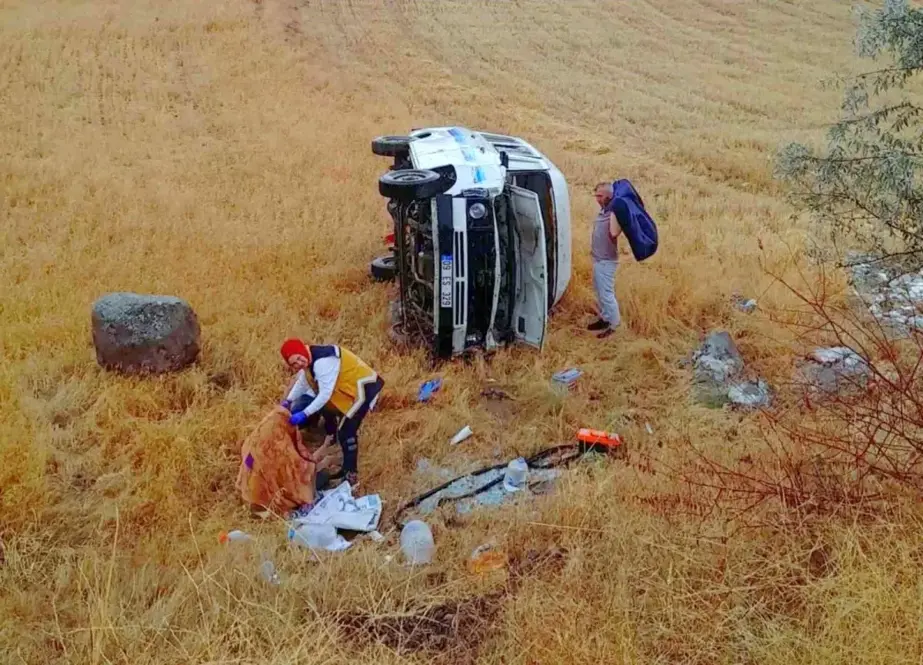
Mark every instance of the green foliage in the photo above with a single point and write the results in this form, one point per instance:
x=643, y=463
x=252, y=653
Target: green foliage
x=867, y=186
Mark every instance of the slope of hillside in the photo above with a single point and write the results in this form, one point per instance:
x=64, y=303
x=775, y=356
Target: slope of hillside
x=220, y=152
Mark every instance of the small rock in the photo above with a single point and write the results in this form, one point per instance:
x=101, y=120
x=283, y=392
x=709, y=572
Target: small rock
x=135, y=333
x=833, y=369
x=747, y=306
x=750, y=394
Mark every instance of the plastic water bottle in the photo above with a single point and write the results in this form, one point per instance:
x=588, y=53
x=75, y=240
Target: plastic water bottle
x=516, y=473
x=417, y=542
x=267, y=567
x=313, y=536
x=268, y=571
x=234, y=537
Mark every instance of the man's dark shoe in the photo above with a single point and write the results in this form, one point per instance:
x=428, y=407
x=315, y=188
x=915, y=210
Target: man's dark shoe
x=605, y=333
x=598, y=325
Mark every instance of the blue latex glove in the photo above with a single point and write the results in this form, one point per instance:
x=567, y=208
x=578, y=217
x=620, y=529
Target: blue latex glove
x=428, y=388
x=285, y=404
x=298, y=419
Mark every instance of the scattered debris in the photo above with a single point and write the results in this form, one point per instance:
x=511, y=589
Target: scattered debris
x=745, y=305
x=428, y=389
x=833, y=369
x=487, y=558
x=648, y=428
x=318, y=537
x=481, y=489
x=485, y=487
x=417, y=543
x=138, y=334
x=598, y=437
x=567, y=377
x=339, y=509
x=462, y=434
x=718, y=380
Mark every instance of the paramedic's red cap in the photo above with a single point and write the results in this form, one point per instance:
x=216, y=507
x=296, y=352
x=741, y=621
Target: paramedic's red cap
x=292, y=346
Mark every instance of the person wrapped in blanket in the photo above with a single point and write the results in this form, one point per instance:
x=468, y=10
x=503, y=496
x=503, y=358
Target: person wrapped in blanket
x=333, y=383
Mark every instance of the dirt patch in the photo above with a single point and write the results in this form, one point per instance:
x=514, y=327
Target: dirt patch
x=222, y=381
x=455, y=631
x=452, y=632
x=536, y=563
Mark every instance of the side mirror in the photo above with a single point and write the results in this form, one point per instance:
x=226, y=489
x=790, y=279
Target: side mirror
x=504, y=159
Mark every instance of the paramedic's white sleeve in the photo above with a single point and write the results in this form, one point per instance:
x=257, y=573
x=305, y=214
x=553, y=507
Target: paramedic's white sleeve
x=301, y=387
x=326, y=371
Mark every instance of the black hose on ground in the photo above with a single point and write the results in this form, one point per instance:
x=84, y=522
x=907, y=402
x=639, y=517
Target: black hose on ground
x=534, y=462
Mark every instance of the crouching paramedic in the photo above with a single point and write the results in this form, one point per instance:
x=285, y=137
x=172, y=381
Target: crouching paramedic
x=341, y=380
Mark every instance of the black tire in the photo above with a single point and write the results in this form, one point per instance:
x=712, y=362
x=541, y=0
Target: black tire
x=391, y=146
x=411, y=184
x=383, y=268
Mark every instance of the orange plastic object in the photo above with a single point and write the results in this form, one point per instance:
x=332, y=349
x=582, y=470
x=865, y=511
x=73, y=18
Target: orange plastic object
x=485, y=562
x=599, y=437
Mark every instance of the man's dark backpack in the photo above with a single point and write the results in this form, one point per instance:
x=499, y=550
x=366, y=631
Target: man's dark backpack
x=637, y=225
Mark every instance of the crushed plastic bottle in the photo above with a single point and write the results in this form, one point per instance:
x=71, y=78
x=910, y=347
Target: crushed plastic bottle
x=417, y=542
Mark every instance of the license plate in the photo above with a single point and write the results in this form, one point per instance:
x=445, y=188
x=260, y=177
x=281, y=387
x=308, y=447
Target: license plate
x=445, y=282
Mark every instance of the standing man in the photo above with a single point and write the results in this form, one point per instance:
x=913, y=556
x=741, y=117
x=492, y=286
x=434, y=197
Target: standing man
x=605, y=253
x=341, y=380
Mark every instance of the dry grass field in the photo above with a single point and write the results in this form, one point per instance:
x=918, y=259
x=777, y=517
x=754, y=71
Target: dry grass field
x=219, y=151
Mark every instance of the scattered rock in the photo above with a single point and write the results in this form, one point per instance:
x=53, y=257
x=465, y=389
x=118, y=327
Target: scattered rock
x=136, y=333
x=745, y=305
x=718, y=359
x=751, y=394
x=718, y=376
x=892, y=295
x=834, y=369
x=714, y=365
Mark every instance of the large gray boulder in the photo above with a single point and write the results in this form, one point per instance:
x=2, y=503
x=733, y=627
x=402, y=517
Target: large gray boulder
x=136, y=333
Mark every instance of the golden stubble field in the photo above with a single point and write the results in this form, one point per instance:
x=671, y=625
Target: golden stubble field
x=220, y=152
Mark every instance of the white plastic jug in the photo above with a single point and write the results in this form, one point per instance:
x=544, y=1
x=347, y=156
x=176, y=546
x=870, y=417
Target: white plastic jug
x=417, y=542
x=514, y=479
